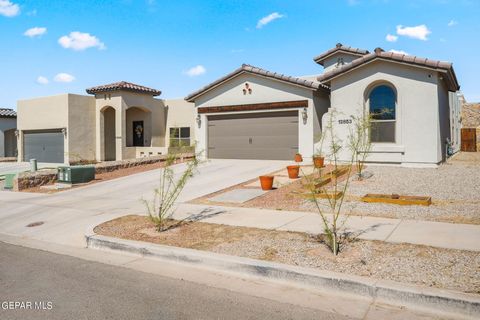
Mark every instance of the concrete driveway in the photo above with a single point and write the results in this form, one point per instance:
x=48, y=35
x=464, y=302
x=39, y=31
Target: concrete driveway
x=66, y=215
x=15, y=167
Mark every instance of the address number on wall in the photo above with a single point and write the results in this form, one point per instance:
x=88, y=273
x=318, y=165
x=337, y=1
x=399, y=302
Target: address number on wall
x=344, y=121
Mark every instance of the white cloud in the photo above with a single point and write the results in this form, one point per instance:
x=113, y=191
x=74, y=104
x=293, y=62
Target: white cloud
x=42, y=80
x=35, y=32
x=64, y=77
x=391, y=38
x=452, y=23
x=9, y=9
x=196, y=71
x=399, y=52
x=267, y=19
x=80, y=41
x=418, y=32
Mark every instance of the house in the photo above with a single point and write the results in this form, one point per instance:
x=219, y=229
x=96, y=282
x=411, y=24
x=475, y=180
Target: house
x=116, y=121
x=253, y=113
x=8, y=125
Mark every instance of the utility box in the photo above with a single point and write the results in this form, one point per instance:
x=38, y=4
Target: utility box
x=76, y=174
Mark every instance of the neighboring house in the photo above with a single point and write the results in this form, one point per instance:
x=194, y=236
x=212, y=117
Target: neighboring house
x=120, y=121
x=252, y=113
x=8, y=140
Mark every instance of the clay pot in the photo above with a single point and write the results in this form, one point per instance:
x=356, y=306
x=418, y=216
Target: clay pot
x=318, y=161
x=293, y=171
x=266, y=182
x=298, y=157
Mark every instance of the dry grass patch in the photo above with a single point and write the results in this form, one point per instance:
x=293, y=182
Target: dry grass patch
x=422, y=265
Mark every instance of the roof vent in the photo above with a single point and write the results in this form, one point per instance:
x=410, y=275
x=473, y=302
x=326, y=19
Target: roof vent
x=379, y=50
x=339, y=45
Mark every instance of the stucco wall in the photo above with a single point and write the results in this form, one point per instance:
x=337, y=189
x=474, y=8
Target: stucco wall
x=121, y=101
x=7, y=143
x=331, y=62
x=322, y=104
x=264, y=90
x=443, y=119
x=180, y=113
x=42, y=113
x=81, y=128
x=417, y=126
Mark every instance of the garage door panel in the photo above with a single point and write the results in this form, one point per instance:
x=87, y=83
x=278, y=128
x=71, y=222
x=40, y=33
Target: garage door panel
x=253, y=136
x=45, y=146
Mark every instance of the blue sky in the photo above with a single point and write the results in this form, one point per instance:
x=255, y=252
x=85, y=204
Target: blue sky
x=51, y=47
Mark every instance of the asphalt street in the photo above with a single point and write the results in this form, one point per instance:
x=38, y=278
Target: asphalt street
x=63, y=287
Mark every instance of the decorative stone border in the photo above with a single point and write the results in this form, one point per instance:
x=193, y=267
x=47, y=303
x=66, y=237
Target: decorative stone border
x=26, y=180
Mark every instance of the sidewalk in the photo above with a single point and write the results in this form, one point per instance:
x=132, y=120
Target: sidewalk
x=436, y=234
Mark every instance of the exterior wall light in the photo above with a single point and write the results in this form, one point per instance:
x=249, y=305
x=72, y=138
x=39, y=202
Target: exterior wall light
x=64, y=131
x=304, y=115
x=17, y=133
x=199, y=120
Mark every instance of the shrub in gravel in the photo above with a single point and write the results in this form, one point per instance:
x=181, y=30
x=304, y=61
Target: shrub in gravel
x=161, y=208
x=332, y=224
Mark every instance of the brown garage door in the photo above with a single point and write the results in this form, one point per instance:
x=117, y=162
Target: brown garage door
x=269, y=136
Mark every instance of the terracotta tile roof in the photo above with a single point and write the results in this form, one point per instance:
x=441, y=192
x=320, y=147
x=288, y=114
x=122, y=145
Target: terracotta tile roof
x=380, y=54
x=320, y=59
x=123, y=85
x=245, y=68
x=7, y=113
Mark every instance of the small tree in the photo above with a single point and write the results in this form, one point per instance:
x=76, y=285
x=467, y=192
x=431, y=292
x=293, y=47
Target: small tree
x=161, y=208
x=359, y=141
x=332, y=213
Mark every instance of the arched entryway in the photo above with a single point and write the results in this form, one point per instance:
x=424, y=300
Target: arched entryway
x=109, y=142
x=138, y=127
x=10, y=143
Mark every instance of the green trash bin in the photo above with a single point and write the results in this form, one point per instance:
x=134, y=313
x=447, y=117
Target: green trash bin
x=9, y=177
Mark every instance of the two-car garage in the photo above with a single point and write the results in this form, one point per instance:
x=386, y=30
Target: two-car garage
x=258, y=135
x=44, y=146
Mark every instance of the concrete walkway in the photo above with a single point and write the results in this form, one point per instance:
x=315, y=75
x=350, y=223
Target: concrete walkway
x=436, y=234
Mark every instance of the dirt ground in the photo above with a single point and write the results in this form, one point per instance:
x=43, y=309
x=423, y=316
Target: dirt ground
x=421, y=265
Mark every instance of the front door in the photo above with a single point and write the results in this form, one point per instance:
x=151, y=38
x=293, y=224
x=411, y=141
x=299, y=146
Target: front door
x=137, y=133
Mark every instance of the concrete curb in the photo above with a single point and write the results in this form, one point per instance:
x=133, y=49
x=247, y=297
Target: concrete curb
x=447, y=301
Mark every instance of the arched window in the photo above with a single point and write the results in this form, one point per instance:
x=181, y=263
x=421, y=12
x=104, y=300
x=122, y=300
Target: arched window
x=382, y=100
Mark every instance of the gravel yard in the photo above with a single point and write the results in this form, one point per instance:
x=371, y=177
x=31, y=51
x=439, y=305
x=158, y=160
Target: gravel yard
x=420, y=265
x=454, y=188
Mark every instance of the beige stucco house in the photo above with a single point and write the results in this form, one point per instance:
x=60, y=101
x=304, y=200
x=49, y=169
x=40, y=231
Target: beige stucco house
x=115, y=122
x=253, y=113
x=8, y=140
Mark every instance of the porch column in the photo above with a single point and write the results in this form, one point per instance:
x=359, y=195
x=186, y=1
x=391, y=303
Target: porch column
x=120, y=131
x=20, y=145
x=100, y=135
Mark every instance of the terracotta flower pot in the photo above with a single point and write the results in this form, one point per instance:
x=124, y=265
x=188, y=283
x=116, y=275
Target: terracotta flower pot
x=318, y=161
x=293, y=171
x=266, y=182
x=298, y=157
